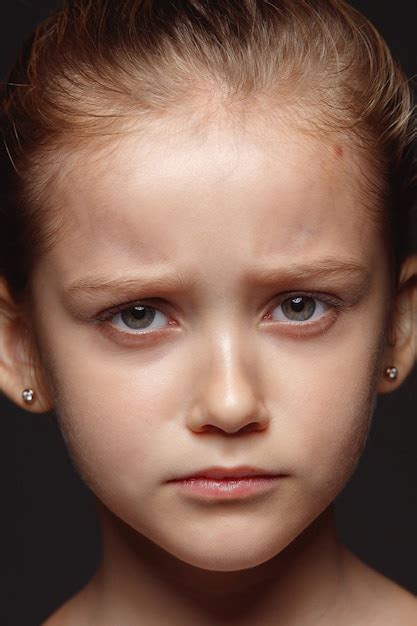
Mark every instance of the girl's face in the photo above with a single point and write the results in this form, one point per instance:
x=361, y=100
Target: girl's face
x=213, y=235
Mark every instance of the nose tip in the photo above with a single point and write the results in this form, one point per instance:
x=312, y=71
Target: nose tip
x=237, y=412
x=229, y=399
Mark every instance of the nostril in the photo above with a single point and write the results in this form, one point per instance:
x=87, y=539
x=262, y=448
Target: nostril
x=252, y=426
x=248, y=428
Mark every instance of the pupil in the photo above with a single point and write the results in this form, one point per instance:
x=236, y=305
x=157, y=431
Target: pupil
x=298, y=304
x=138, y=312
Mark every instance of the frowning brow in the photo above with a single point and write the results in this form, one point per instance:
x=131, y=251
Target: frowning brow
x=169, y=283
x=329, y=268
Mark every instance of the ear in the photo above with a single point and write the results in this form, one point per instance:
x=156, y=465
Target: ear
x=401, y=348
x=20, y=363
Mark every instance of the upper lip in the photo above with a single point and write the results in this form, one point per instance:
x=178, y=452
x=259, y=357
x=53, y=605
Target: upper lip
x=218, y=472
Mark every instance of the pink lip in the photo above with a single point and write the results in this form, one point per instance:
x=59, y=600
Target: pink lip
x=229, y=488
x=227, y=483
x=218, y=472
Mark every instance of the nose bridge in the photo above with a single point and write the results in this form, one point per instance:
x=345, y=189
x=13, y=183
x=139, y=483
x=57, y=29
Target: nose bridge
x=229, y=391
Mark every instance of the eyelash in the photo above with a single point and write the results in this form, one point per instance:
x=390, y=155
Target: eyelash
x=334, y=304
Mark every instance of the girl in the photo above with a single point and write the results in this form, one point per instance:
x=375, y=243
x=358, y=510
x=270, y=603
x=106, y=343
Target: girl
x=206, y=273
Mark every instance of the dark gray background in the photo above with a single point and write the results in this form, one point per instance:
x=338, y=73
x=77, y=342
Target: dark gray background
x=50, y=537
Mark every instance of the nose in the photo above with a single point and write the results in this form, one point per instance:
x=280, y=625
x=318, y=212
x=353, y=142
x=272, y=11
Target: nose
x=228, y=394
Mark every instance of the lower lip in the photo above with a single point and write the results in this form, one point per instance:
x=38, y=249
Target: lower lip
x=227, y=489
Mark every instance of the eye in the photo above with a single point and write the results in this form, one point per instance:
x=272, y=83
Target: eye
x=301, y=308
x=138, y=317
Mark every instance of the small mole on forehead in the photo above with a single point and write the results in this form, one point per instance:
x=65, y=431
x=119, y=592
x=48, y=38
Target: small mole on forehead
x=339, y=150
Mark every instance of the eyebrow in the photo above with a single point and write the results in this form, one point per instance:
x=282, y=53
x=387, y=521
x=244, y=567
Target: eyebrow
x=330, y=267
x=169, y=283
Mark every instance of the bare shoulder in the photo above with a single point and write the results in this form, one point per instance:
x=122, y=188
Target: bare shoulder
x=74, y=612
x=64, y=616
x=56, y=619
x=400, y=607
x=381, y=600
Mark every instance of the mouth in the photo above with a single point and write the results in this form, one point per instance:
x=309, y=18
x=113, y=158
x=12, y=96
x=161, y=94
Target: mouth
x=227, y=473
x=227, y=483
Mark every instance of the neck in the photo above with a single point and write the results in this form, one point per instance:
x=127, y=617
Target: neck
x=139, y=580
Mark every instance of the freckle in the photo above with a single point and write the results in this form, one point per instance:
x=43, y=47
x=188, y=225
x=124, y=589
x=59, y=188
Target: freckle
x=339, y=151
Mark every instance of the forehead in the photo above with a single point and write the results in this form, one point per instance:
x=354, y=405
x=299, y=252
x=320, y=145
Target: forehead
x=225, y=191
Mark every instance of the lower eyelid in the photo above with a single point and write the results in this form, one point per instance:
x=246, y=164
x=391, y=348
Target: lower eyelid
x=138, y=339
x=304, y=329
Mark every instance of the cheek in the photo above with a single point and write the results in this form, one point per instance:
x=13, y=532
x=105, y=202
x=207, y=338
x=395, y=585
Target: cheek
x=326, y=406
x=117, y=415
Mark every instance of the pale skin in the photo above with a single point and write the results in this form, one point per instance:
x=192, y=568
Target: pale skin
x=219, y=376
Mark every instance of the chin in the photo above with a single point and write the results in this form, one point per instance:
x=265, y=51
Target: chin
x=224, y=561
x=238, y=552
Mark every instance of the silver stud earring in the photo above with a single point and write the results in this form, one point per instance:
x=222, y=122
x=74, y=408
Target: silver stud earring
x=27, y=395
x=391, y=372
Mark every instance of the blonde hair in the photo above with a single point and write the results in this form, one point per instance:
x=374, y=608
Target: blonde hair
x=95, y=65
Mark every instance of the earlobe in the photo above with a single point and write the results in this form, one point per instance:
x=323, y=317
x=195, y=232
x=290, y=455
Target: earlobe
x=19, y=367
x=401, y=347
x=389, y=380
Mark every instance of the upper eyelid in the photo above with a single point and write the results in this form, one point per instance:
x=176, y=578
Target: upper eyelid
x=323, y=297
x=119, y=308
